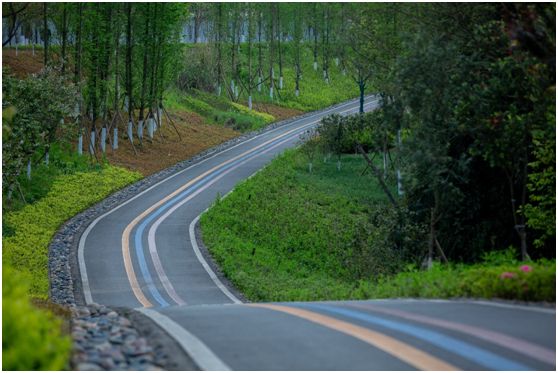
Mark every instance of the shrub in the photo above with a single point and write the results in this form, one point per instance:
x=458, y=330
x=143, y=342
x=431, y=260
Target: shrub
x=533, y=281
x=34, y=225
x=268, y=118
x=31, y=338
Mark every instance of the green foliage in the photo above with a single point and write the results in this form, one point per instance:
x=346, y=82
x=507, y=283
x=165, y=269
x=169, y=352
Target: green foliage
x=34, y=225
x=541, y=210
x=531, y=281
x=39, y=103
x=31, y=338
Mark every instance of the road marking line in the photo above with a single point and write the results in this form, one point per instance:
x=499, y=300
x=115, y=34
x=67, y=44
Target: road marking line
x=524, y=347
x=249, y=154
x=127, y=231
x=202, y=355
x=466, y=350
x=81, y=245
x=153, y=230
x=402, y=351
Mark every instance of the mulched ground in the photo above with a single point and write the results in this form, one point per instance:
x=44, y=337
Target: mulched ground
x=24, y=63
x=167, y=148
x=278, y=112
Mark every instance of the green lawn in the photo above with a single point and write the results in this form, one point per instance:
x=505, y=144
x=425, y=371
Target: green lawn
x=288, y=234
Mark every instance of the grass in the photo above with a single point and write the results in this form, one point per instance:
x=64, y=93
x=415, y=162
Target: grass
x=290, y=235
x=218, y=110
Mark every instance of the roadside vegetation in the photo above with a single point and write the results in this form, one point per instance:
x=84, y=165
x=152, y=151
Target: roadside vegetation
x=461, y=150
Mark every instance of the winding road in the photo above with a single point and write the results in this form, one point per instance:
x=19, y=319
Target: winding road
x=144, y=254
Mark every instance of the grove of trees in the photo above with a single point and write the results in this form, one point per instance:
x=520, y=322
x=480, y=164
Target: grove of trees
x=467, y=119
x=466, y=125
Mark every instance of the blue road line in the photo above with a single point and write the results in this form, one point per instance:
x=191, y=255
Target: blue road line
x=139, y=232
x=464, y=349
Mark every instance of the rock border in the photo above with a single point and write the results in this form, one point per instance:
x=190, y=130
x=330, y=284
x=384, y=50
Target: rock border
x=121, y=338
x=63, y=269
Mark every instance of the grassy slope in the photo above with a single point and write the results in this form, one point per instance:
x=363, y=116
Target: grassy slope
x=283, y=234
x=314, y=92
x=287, y=235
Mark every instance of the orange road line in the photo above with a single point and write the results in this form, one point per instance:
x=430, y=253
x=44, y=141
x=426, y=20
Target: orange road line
x=128, y=266
x=417, y=358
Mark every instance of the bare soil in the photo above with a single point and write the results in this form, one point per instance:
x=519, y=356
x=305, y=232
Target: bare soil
x=280, y=113
x=167, y=147
x=24, y=64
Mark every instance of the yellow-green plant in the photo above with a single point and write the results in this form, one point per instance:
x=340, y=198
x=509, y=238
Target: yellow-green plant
x=35, y=224
x=31, y=338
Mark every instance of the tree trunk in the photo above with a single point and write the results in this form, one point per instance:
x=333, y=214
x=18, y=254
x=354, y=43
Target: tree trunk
x=45, y=30
x=64, y=36
x=362, y=87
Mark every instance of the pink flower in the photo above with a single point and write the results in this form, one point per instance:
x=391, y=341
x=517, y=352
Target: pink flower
x=526, y=268
x=508, y=275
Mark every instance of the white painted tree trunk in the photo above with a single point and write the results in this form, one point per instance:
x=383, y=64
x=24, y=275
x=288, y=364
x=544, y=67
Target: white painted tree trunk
x=219, y=90
x=385, y=164
x=131, y=131
x=92, y=142
x=280, y=82
x=315, y=66
x=250, y=102
x=33, y=48
x=399, y=178
x=140, y=129
x=29, y=169
x=325, y=74
x=236, y=93
x=344, y=72
x=272, y=73
x=232, y=86
x=336, y=61
x=103, y=139
x=150, y=128
x=271, y=93
x=327, y=80
x=126, y=104
x=259, y=83
x=297, y=93
x=160, y=116
x=115, y=138
x=47, y=157
x=80, y=144
x=310, y=167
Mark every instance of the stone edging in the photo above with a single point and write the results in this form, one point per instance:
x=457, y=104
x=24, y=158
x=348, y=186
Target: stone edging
x=63, y=268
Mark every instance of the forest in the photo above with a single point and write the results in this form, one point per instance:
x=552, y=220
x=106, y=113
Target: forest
x=455, y=167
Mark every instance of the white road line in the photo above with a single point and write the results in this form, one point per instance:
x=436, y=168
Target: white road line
x=471, y=301
x=81, y=246
x=204, y=358
x=153, y=229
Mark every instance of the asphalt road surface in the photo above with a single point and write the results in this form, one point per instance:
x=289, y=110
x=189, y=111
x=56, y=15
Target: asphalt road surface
x=144, y=254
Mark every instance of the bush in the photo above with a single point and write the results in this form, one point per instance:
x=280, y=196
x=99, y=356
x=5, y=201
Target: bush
x=31, y=338
x=26, y=249
x=533, y=281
